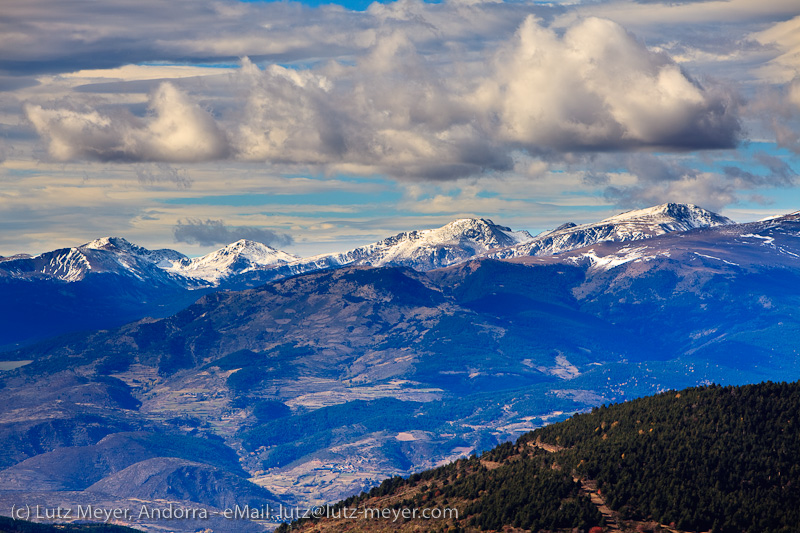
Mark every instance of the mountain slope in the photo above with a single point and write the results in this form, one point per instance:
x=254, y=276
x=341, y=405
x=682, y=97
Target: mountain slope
x=709, y=458
x=629, y=226
x=168, y=478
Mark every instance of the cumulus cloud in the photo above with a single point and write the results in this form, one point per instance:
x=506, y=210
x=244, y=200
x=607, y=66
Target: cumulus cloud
x=176, y=129
x=210, y=232
x=397, y=112
x=597, y=87
x=402, y=111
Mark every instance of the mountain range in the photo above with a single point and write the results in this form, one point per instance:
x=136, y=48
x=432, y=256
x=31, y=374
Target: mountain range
x=314, y=386
x=110, y=281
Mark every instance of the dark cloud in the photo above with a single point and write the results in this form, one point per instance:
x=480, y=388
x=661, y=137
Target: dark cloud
x=162, y=173
x=653, y=169
x=667, y=178
x=778, y=111
x=211, y=232
x=39, y=37
x=12, y=83
x=778, y=173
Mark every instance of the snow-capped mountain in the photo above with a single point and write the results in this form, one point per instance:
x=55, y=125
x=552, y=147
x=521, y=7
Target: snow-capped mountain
x=423, y=250
x=770, y=242
x=108, y=255
x=115, y=255
x=241, y=257
x=103, y=283
x=629, y=226
x=109, y=281
x=247, y=262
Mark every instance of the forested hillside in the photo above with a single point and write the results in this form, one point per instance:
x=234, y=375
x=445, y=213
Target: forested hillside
x=722, y=459
x=712, y=458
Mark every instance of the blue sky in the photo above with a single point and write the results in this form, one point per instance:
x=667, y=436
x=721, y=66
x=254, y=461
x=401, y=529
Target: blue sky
x=329, y=126
x=353, y=5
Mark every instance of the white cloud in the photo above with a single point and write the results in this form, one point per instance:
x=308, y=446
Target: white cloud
x=401, y=112
x=598, y=88
x=176, y=130
x=785, y=38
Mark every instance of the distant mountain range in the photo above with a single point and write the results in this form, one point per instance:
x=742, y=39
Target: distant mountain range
x=315, y=386
x=424, y=250
x=110, y=281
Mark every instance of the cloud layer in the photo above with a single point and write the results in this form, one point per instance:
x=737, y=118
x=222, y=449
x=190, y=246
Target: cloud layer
x=400, y=112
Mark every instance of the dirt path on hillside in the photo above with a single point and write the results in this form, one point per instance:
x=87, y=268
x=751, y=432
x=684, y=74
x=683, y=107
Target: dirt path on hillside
x=589, y=487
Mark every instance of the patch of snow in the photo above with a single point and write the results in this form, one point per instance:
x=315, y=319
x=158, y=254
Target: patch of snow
x=768, y=241
x=624, y=255
x=716, y=258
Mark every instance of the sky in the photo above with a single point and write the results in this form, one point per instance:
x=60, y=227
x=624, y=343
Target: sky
x=317, y=127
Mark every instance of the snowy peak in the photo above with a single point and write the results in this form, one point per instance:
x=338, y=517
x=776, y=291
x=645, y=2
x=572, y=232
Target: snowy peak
x=672, y=217
x=109, y=243
x=458, y=241
x=473, y=230
x=258, y=253
x=629, y=226
x=122, y=247
x=108, y=255
x=119, y=256
x=237, y=258
x=474, y=234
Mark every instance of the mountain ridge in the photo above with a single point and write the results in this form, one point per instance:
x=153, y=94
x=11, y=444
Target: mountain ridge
x=457, y=241
x=639, y=224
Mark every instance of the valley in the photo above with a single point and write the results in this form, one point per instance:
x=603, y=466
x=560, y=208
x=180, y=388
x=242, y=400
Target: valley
x=311, y=388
